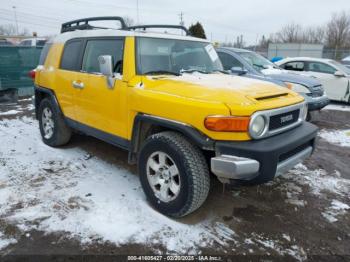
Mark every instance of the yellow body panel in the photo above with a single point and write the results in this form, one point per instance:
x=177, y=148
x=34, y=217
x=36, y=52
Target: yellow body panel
x=174, y=98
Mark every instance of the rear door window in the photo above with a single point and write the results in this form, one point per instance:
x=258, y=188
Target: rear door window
x=321, y=68
x=98, y=47
x=40, y=42
x=71, y=55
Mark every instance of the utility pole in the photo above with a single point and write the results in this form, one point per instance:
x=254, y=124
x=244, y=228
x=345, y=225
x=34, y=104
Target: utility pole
x=14, y=10
x=137, y=12
x=182, y=23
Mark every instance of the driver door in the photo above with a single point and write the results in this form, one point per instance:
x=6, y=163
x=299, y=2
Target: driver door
x=98, y=105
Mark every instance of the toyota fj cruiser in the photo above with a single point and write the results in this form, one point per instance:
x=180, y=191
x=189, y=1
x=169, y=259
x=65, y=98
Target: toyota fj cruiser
x=165, y=99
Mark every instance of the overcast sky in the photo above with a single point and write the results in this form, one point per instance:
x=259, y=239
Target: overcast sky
x=222, y=19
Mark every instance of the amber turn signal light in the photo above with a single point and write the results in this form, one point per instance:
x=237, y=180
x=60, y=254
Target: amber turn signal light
x=227, y=123
x=289, y=86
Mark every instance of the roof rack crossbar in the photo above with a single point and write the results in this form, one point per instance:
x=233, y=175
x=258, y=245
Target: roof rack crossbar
x=144, y=27
x=83, y=24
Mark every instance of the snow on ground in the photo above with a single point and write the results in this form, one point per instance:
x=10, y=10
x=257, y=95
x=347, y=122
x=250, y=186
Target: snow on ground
x=320, y=183
x=63, y=190
x=337, y=208
x=59, y=190
x=337, y=107
x=9, y=112
x=276, y=245
x=338, y=137
x=4, y=242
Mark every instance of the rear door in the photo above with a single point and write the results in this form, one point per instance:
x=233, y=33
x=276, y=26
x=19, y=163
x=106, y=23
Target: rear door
x=98, y=105
x=66, y=74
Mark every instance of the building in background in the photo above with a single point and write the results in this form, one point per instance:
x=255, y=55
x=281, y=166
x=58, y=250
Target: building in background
x=294, y=50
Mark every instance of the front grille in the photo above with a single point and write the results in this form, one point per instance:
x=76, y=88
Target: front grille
x=294, y=151
x=317, y=93
x=282, y=120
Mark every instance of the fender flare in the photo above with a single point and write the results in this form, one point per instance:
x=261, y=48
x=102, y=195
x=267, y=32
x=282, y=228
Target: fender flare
x=194, y=135
x=38, y=97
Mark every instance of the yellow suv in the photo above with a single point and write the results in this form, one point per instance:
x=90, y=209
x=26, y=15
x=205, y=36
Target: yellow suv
x=166, y=99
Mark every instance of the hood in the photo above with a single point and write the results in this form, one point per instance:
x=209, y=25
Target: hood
x=266, y=78
x=228, y=89
x=285, y=76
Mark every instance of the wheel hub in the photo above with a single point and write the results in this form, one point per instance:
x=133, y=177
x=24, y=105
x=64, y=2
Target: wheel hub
x=163, y=176
x=48, y=124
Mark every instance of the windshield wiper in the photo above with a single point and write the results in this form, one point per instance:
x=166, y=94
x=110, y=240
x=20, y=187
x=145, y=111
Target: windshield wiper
x=161, y=72
x=192, y=71
x=261, y=66
x=222, y=71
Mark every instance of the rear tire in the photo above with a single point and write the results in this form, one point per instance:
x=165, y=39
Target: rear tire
x=54, y=131
x=174, y=174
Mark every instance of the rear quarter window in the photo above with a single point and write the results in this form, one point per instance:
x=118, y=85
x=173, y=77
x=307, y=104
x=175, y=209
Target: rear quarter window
x=71, y=55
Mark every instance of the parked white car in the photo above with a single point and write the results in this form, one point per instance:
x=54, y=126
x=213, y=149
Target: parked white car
x=334, y=76
x=35, y=41
x=346, y=61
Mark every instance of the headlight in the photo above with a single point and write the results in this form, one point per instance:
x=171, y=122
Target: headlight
x=304, y=111
x=257, y=126
x=298, y=88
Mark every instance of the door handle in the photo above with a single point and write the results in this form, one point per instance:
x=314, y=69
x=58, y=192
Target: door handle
x=78, y=84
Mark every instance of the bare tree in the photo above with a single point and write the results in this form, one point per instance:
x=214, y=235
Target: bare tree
x=10, y=30
x=239, y=43
x=338, y=31
x=290, y=33
x=313, y=35
x=129, y=21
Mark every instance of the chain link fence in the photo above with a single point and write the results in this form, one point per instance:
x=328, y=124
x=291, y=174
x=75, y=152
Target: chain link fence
x=303, y=50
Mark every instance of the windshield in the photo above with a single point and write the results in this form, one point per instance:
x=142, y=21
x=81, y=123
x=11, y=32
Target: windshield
x=257, y=61
x=341, y=67
x=173, y=56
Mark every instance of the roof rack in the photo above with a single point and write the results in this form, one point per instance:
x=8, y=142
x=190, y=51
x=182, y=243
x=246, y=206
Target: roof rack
x=159, y=26
x=83, y=24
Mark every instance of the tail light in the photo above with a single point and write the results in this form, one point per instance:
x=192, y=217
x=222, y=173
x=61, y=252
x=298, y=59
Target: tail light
x=31, y=74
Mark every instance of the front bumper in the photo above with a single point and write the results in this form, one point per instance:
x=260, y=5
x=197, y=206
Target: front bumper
x=259, y=161
x=316, y=103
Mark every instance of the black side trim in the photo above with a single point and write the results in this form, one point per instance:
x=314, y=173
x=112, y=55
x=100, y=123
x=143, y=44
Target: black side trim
x=38, y=90
x=107, y=137
x=194, y=135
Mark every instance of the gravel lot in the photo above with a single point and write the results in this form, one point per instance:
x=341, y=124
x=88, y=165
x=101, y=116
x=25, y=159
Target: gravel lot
x=84, y=198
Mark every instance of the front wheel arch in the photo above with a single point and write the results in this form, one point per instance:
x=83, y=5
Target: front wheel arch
x=147, y=125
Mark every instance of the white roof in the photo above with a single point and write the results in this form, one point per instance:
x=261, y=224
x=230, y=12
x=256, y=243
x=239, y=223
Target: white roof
x=62, y=38
x=289, y=59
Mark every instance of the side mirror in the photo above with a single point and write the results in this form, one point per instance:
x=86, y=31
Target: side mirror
x=106, y=68
x=238, y=70
x=339, y=74
x=106, y=65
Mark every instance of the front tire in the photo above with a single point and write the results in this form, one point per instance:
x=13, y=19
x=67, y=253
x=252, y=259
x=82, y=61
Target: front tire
x=54, y=131
x=174, y=174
